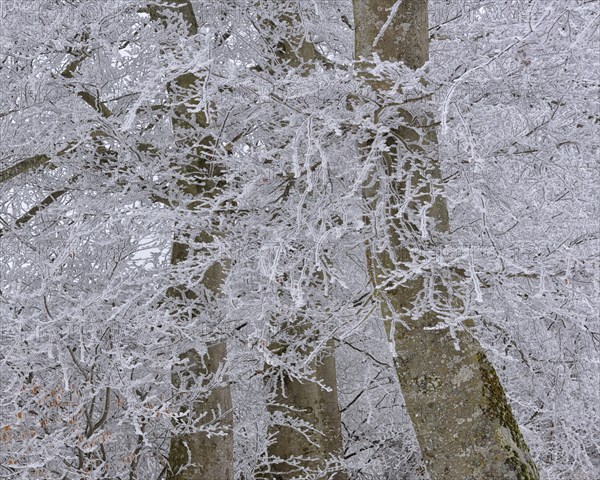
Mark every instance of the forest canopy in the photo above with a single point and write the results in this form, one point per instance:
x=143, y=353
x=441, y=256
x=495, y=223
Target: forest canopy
x=299, y=239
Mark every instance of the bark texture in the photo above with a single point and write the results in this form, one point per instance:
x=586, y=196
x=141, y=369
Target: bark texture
x=199, y=378
x=294, y=454
x=200, y=455
x=458, y=408
x=197, y=455
x=306, y=455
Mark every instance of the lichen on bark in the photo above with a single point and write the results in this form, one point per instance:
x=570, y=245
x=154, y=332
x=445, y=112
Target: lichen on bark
x=457, y=405
x=497, y=408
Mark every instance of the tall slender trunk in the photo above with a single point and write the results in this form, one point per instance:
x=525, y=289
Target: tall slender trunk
x=312, y=453
x=458, y=408
x=296, y=454
x=201, y=455
x=198, y=455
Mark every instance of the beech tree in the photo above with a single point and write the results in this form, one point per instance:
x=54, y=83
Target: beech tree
x=299, y=239
x=451, y=390
x=201, y=453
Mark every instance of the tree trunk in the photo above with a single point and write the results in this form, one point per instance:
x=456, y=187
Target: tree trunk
x=201, y=455
x=294, y=454
x=458, y=408
x=198, y=455
x=310, y=454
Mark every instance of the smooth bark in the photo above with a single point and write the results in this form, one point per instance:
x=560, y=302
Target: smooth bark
x=198, y=455
x=293, y=453
x=314, y=452
x=461, y=417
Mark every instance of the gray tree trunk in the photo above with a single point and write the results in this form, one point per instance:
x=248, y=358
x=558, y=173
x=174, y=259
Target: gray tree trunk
x=198, y=456
x=458, y=408
x=306, y=401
